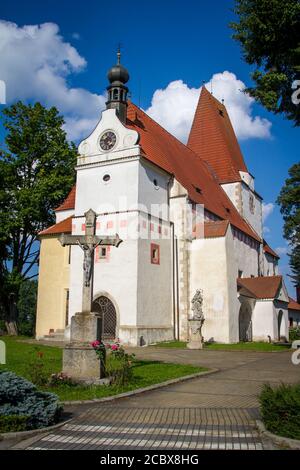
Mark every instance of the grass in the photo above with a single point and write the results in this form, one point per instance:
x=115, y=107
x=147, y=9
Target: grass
x=145, y=373
x=254, y=346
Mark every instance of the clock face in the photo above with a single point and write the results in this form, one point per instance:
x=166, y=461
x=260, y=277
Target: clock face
x=108, y=140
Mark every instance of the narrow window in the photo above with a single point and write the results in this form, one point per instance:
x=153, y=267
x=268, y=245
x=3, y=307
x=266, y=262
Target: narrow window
x=102, y=252
x=155, y=254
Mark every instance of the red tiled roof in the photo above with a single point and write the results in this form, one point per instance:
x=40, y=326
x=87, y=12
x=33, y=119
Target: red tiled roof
x=65, y=226
x=69, y=202
x=265, y=287
x=293, y=305
x=268, y=249
x=215, y=229
x=212, y=138
x=165, y=151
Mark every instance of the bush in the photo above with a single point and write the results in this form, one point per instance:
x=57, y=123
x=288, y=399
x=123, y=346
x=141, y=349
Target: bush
x=280, y=409
x=20, y=397
x=61, y=379
x=35, y=369
x=119, y=365
x=294, y=333
x=13, y=423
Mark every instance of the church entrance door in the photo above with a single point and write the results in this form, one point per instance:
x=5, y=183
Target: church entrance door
x=245, y=323
x=108, y=317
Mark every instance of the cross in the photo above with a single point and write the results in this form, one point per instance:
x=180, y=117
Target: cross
x=88, y=243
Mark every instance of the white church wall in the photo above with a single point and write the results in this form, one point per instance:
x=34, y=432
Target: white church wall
x=208, y=271
x=252, y=208
x=153, y=190
x=270, y=265
x=119, y=193
x=233, y=302
x=233, y=192
x=62, y=215
x=182, y=233
x=264, y=321
x=154, y=298
x=247, y=202
x=246, y=255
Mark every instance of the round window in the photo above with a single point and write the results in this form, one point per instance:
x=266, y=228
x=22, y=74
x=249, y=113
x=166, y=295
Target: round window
x=106, y=178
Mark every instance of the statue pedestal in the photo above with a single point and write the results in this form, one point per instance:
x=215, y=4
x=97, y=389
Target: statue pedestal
x=195, y=337
x=80, y=361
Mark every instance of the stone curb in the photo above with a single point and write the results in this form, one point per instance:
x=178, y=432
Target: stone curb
x=278, y=440
x=141, y=390
x=223, y=350
x=27, y=434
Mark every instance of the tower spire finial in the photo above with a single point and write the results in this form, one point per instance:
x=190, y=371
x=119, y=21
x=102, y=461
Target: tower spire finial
x=119, y=54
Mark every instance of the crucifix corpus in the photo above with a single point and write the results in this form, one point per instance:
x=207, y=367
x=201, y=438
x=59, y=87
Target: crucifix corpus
x=88, y=243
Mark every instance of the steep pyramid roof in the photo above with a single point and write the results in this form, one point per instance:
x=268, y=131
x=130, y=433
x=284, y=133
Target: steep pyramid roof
x=212, y=138
x=167, y=152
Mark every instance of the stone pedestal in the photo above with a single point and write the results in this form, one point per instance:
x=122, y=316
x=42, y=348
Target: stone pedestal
x=195, y=337
x=79, y=358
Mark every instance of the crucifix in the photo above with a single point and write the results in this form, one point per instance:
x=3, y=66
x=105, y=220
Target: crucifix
x=88, y=243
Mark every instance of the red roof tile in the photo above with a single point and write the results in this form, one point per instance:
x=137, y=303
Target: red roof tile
x=164, y=150
x=215, y=229
x=268, y=249
x=65, y=226
x=212, y=138
x=69, y=202
x=265, y=287
x=293, y=305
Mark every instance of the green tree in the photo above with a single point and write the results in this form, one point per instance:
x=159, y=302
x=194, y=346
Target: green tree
x=289, y=200
x=269, y=33
x=27, y=307
x=36, y=172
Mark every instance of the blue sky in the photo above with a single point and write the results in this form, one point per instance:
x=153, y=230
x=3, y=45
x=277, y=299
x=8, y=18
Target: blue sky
x=186, y=42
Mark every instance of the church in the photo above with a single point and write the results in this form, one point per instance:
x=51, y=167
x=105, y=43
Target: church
x=189, y=218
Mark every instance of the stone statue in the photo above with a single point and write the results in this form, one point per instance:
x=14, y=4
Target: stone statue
x=196, y=321
x=197, y=302
x=87, y=261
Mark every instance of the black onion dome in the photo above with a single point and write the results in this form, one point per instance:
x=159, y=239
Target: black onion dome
x=118, y=73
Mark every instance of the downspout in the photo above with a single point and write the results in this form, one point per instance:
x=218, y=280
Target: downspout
x=173, y=280
x=177, y=288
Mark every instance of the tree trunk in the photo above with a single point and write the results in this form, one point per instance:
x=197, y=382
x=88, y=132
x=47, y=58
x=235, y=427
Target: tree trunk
x=11, y=320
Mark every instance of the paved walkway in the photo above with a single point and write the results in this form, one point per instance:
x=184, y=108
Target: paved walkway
x=213, y=412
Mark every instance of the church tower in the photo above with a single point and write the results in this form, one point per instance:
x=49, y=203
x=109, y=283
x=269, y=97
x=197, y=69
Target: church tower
x=117, y=91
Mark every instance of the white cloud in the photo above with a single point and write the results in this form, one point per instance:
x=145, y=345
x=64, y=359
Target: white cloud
x=174, y=107
x=281, y=250
x=36, y=63
x=267, y=209
x=266, y=230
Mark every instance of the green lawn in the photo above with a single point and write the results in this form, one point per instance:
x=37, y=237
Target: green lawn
x=145, y=373
x=255, y=346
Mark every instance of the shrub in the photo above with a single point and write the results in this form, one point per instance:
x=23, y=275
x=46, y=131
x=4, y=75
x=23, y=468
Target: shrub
x=61, y=379
x=13, y=423
x=280, y=409
x=119, y=364
x=20, y=397
x=35, y=369
x=294, y=333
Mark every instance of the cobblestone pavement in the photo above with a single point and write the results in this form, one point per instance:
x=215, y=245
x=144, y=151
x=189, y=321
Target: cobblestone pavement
x=217, y=411
x=119, y=427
